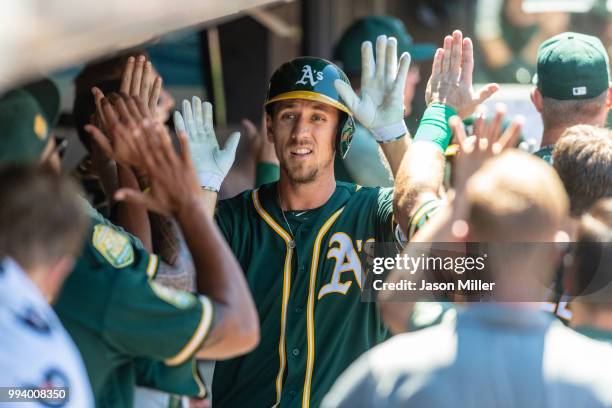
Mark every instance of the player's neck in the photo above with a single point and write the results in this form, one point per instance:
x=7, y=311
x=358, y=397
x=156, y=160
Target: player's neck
x=38, y=276
x=305, y=196
x=550, y=136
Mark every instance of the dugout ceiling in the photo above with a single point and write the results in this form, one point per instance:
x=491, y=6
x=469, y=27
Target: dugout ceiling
x=38, y=36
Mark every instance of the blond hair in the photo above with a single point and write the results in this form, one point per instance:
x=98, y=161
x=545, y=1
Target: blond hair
x=515, y=197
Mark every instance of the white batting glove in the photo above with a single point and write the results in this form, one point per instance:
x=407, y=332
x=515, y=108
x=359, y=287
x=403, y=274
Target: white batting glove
x=381, y=106
x=211, y=162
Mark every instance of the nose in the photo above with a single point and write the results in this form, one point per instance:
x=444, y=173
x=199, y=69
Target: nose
x=302, y=126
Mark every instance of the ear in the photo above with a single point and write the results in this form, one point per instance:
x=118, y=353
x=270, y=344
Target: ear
x=269, y=131
x=609, y=100
x=536, y=98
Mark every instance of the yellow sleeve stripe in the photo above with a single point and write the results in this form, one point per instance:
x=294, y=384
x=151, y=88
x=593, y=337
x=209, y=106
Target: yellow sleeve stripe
x=198, y=336
x=424, y=210
x=198, y=378
x=152, y=266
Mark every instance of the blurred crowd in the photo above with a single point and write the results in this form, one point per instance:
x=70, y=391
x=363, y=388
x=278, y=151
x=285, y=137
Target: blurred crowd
x=116, y=279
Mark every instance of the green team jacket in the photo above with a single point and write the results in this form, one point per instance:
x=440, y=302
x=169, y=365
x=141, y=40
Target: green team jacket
x=313, y=322
x=130, y=330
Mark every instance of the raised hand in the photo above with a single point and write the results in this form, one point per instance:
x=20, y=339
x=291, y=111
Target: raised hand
x=172, y=177
x=140, y=79
x=123, y=117
x=381, y=105
x=211, y=162
x=487, y=141
x=451, y=77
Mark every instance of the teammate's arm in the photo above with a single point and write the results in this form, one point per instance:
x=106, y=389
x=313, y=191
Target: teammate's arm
x=448, y=224
x=175, y=191
x=449, y=92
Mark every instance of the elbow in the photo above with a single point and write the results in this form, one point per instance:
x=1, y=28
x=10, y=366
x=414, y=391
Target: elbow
x=247, y=330
x=241, y=325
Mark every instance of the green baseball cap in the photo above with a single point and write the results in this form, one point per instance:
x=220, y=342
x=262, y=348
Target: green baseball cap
x=572, y=66
x=27, y=116
x=348, y=49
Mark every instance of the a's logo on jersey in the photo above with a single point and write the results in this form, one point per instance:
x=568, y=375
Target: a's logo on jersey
x=34, y=320
x=346, y=260
x=177, y=298
x=114, y=246
x=308, y=74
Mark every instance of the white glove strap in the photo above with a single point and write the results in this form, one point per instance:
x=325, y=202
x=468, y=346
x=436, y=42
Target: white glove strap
x=210, y=181
x=390, y=133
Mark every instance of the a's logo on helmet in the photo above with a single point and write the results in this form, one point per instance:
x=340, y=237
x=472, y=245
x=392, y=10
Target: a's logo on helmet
x=308, y=74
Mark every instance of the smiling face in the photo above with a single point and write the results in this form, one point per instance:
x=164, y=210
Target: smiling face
x=303, y=133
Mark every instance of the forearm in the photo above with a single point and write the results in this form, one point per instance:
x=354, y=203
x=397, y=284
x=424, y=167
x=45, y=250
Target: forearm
x=178, y=269
x=421, y=171
x=208, y=199
x=420, y=178
x=394, y=152
x=219, y=276
x=107, y=175
x=133, y=217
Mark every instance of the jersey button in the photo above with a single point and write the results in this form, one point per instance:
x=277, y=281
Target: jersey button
x=292, y=394
x=298, y=310
x=295, y=352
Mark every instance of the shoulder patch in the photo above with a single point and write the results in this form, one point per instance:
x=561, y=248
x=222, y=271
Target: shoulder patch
x=179, y=298
x=114, y=246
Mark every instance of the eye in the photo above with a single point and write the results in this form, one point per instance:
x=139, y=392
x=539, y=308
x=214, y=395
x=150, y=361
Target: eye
x=318, y=118
x=288, y=116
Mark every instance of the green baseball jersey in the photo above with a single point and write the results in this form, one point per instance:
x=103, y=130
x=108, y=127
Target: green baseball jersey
x=119, y=318
x=306, y=282
x=545, y=153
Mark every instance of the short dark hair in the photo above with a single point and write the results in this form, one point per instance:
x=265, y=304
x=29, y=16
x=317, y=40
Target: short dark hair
x=106, y=75
x=593, y=253
x=583, y=159
x=42, y=217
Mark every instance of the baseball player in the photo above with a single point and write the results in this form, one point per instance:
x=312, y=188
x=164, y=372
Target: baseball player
x=494, y=354
x=572, y=86
x=129, y=328
x=300, y=240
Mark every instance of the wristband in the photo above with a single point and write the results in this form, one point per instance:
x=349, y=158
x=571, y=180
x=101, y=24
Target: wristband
x=265, y=173
x=390, y=133
x=210, y=181
x=434, y=126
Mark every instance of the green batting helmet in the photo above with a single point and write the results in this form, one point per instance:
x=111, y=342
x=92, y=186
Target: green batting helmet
x=313, y=79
